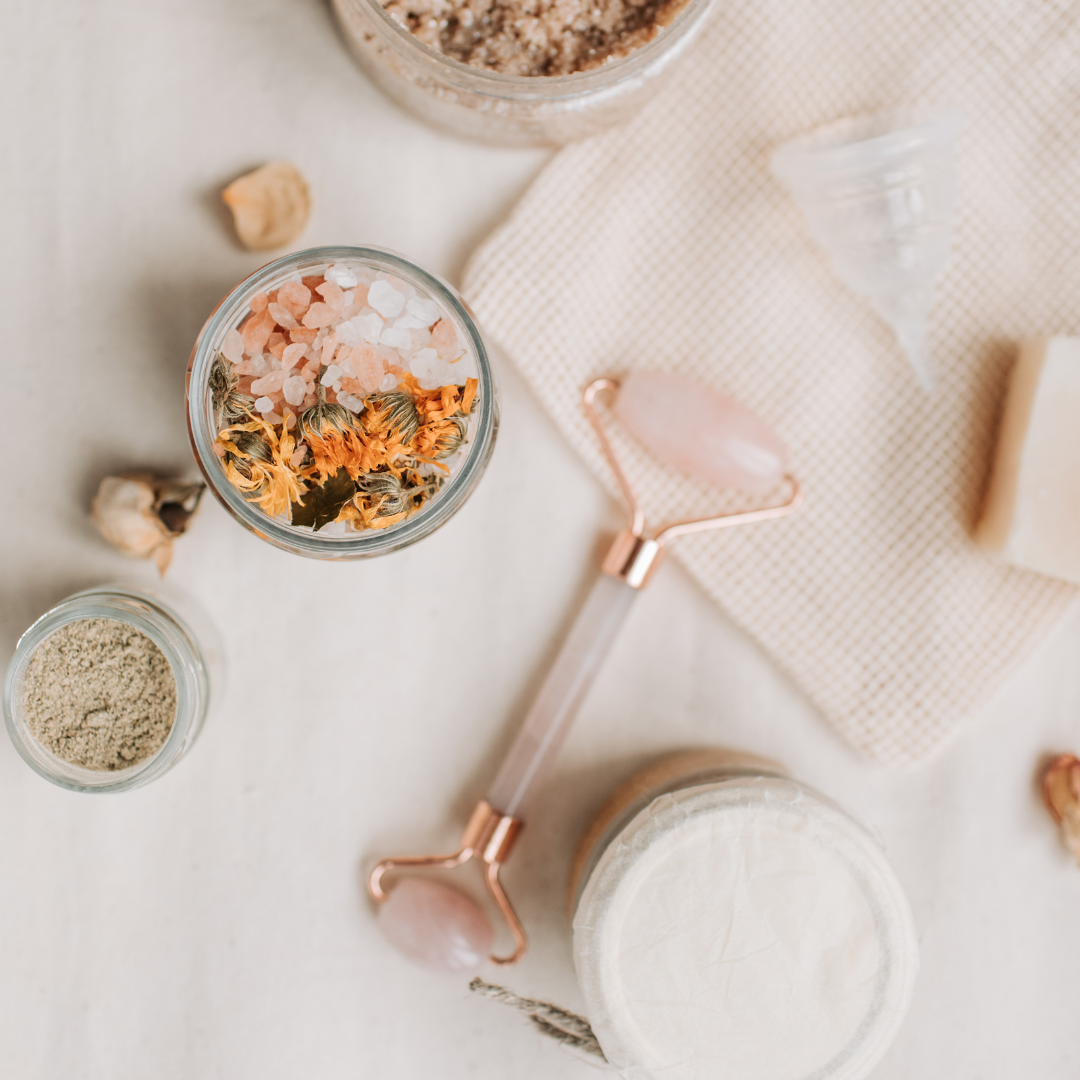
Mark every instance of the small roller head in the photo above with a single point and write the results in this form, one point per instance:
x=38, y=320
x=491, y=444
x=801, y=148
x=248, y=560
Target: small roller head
x=435, y=925
x=701, y=432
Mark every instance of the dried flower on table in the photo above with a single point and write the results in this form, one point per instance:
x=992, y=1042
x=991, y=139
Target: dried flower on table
x=270, y=206
x=1061, y=793
x=141, y=516
x=343, y=398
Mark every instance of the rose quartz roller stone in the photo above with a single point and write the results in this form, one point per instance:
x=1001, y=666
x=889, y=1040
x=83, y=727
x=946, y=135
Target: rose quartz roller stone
x=436, y=925
x=696, y=430
x=701, y=432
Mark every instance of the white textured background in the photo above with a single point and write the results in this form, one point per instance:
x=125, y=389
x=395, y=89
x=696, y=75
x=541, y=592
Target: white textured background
x=213, y=925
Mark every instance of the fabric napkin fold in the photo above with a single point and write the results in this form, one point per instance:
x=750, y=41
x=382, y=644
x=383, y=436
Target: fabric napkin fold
x=667, y=244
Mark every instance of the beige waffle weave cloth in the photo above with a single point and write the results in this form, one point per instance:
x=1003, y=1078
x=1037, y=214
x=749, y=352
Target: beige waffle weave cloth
x=667, y=244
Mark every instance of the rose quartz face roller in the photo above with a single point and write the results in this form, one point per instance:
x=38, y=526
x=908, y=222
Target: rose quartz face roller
x=702, y=433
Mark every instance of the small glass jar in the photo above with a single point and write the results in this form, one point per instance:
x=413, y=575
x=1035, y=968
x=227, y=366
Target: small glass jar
x=202, y=429
x=167, y=618
x=728, y=921
x=511, y=110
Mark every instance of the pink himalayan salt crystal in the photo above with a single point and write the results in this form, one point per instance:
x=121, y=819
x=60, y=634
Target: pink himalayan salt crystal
x=295, y=297
x=291, y=356
x=332, y=294
x=701, y=432
x=309, y=401
x=283, y=316
x=232, y=348
x=298, y=455
x=309, y=375
x=444, y=339
x=294, y=389
x=436, y=926
x=330, y=343
x=367, y=365
x=258, y=302
x=256, y=366
x=268, y=384
x=319, y=315
x=256, y=332
x=290, y=418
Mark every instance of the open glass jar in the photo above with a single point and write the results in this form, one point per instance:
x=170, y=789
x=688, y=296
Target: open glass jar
x=728, y=921
x=185, y=639
x=398, y=415
x=512, y=110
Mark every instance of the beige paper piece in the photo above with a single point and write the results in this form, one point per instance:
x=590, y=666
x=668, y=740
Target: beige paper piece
x=667, y=244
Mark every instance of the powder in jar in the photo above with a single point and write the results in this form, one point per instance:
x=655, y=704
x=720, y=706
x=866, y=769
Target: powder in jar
x=534, y=37
x=100, y=694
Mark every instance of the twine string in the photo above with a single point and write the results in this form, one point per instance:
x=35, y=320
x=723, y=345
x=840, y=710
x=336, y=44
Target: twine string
x=565, y=1027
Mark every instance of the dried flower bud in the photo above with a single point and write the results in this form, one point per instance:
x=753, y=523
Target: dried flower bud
x=1061, y=793
x=387, y=494
x=141, y=516
x=393, y=413
x=445, y=436
x=270, y=206
x=230, y=406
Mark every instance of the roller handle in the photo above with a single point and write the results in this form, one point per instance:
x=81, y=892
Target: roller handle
x=552, y=712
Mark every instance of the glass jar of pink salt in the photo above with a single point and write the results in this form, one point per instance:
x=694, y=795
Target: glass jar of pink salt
x=341, y=403
x=521, y=74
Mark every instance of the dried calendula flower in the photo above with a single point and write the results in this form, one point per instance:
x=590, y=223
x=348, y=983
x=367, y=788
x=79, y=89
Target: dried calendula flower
x=441, y=438
x=332, y=436
x=394, y=414
x=386, y=494
x=229, y=404
x=270, y=206
x=1061, y=793
x=256, y=461
x=141, y=516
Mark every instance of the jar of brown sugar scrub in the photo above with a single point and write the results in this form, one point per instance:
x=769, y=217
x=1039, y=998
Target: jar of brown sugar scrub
x=505, y=72
x=109, y=689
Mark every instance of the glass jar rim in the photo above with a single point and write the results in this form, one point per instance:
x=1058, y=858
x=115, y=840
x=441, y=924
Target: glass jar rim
x=542, y=87
x=166, y=629
x=367, y=542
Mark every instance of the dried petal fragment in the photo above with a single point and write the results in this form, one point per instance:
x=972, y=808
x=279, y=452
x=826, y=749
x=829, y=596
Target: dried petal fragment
x=1061, y=793
x=270, y=206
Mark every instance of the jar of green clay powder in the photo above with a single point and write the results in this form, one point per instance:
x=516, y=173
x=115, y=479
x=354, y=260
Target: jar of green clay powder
x=109, y=689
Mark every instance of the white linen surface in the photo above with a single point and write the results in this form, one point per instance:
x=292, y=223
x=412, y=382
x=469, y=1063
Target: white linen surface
x=214, y=925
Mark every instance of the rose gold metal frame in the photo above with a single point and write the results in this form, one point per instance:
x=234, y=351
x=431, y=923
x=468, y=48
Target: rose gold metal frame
x=488, y=837
x=490, y=834
x=634, y=557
